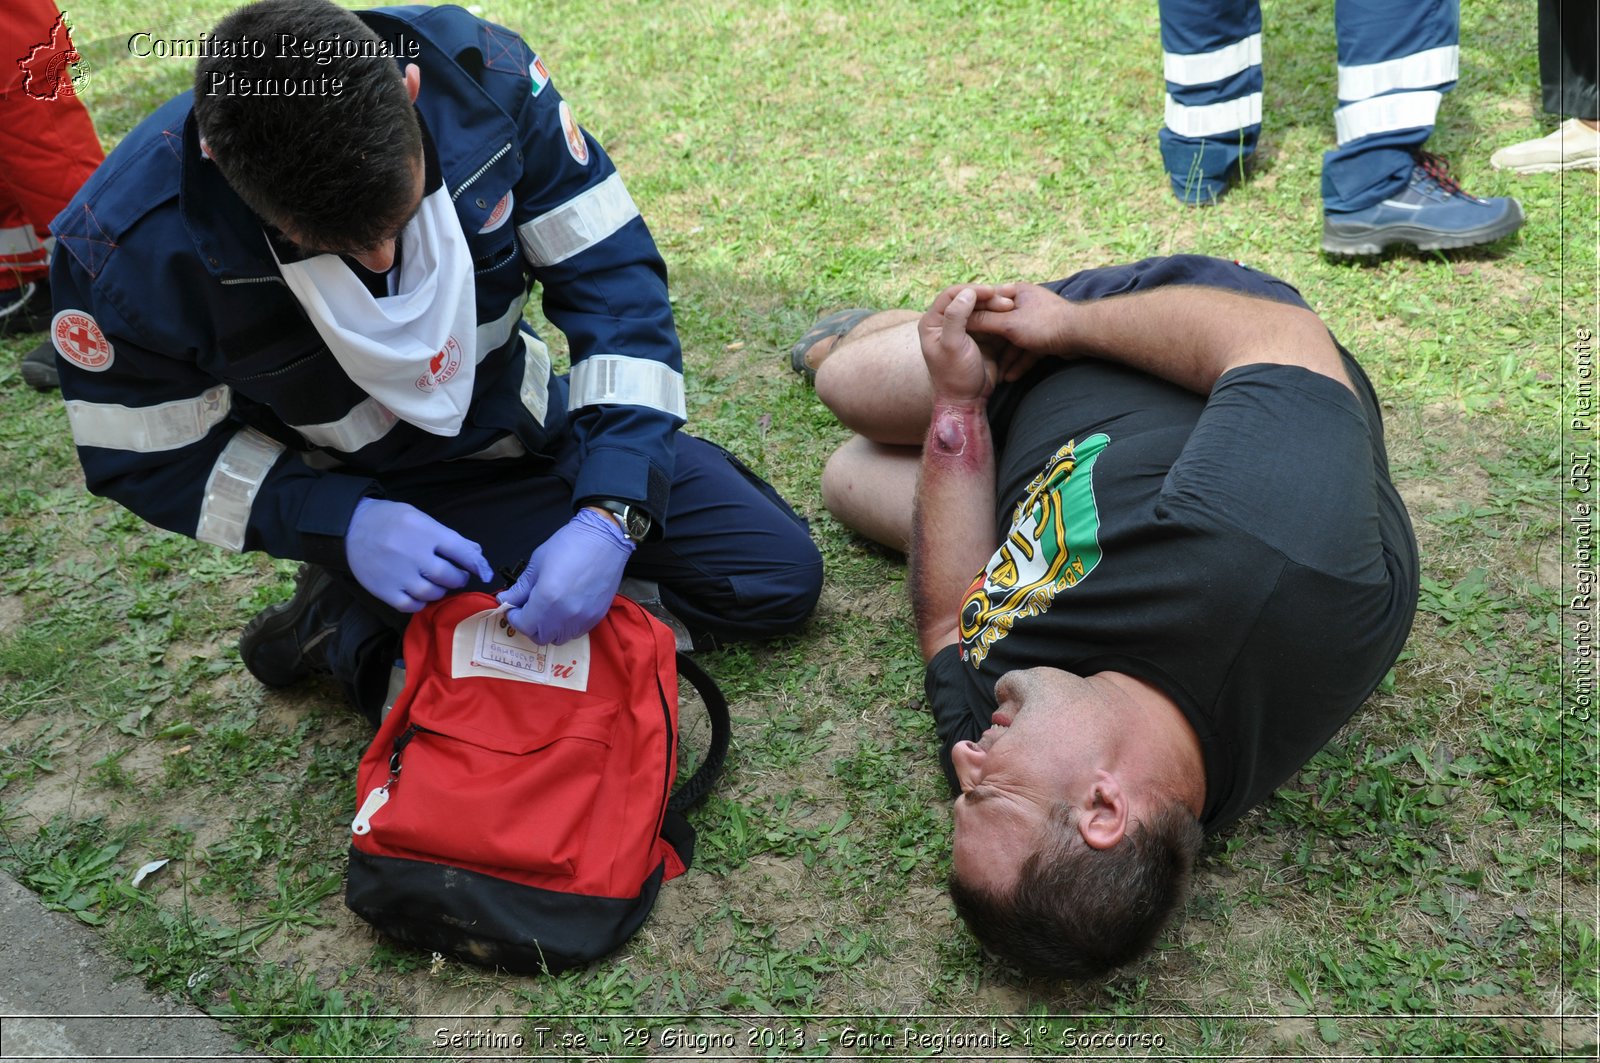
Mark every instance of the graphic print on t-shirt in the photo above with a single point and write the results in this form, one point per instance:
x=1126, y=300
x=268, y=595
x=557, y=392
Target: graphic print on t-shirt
x=1054, y=543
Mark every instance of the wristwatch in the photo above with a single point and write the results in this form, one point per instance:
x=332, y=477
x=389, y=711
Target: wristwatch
x=635, y=521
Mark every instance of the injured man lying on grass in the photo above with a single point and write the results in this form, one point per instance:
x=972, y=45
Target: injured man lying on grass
x=1156, y=563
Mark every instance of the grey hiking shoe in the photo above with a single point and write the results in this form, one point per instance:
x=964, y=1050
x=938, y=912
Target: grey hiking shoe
x=1431, y=213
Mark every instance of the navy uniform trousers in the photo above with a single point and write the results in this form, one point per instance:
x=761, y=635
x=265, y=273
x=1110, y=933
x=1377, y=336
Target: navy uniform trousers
x=734, y=562
x=1397, y=59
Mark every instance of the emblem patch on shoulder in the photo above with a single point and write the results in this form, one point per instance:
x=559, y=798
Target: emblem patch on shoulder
x=540, y=76
x=575, y=142
x=79, y=340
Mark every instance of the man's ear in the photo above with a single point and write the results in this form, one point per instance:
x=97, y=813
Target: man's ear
x=413, y=78
x=967, y=758
x=1105, y=820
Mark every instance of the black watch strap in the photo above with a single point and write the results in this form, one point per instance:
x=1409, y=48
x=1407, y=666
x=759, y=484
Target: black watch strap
x=635, y=521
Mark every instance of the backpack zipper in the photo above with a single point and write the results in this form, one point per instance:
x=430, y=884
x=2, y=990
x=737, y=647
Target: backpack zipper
x=362, y=824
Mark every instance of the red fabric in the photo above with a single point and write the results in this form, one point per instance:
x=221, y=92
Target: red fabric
x=48, y=146
x=541, y=785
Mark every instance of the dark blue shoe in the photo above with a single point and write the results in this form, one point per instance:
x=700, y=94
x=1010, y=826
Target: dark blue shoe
x=39, y=368
x=1431, y=213
x=287, y=642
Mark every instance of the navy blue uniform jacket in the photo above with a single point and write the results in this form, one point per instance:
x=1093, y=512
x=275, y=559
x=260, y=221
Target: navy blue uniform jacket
x=202, y=398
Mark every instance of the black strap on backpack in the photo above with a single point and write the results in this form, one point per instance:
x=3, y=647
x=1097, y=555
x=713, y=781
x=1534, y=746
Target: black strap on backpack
x=675, y=827
x=692, y=790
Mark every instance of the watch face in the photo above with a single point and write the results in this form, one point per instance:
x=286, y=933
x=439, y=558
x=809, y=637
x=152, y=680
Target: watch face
x=638, y=522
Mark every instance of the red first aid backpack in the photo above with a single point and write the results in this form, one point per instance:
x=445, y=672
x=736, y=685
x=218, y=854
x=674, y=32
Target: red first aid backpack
x=517, y=806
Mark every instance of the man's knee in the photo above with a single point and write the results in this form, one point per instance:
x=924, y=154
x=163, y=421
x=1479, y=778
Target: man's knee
x=781, y=598
x=877, y=384
x=757, y=603
x=837, y=479
x=870, y=489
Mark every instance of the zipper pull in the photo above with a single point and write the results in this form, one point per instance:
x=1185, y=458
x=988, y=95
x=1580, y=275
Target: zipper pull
x=362, y=825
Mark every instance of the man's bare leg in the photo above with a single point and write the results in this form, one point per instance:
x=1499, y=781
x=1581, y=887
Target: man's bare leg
x=870, y=488
x=874, y=381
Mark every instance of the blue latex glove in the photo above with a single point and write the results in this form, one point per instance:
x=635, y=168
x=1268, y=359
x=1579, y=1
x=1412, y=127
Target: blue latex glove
x=405, y=558
x=570, y=579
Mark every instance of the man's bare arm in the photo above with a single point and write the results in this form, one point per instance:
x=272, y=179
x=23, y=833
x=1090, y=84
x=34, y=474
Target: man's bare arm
x=1187, y=334
x=952, y=533
x=953, y=529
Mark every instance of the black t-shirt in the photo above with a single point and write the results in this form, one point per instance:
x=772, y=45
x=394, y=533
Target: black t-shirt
x=1245, y=553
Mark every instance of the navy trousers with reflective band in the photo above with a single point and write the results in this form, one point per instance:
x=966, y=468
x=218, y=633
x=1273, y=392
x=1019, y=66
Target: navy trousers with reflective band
x=1396, y=61
x=734, y=562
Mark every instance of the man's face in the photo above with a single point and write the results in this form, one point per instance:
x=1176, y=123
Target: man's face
x=380, y=256
x=1044, y=748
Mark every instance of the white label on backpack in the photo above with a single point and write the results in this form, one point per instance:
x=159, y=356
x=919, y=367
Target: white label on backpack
x=485, y=645
x=362, y=824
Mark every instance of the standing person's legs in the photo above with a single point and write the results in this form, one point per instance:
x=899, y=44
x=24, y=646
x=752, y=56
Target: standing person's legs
x=48, y=149
x=1396, y=62
x=1211, y=61
x=48, y=146
x=1569, y=51
x=24, y=306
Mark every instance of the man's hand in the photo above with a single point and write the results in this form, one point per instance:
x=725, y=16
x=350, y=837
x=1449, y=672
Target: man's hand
x=405, y=558
x=1032, y=322
x=960, y=371
x=570, y=579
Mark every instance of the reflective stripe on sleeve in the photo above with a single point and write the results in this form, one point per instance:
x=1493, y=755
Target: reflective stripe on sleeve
x=1423, y=70
x=368, y=422
x=1202, y=68
x=492, y=335
x=148, y=429
x=616, y=379
x=1214, y=119
x=1385, y=114
x=578, y=224
x=231, y=489
x=535, y=392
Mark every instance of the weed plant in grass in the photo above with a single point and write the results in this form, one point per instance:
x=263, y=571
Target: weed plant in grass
x=1424, y=888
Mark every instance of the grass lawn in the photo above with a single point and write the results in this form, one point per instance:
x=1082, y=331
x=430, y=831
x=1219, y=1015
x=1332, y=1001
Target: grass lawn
x=1424, y=888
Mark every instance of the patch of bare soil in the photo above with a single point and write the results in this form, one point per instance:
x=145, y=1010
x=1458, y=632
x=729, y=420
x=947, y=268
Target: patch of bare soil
x=12, y=614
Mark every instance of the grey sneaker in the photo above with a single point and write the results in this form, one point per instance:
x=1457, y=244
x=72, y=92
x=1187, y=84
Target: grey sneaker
x=1573, y=146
